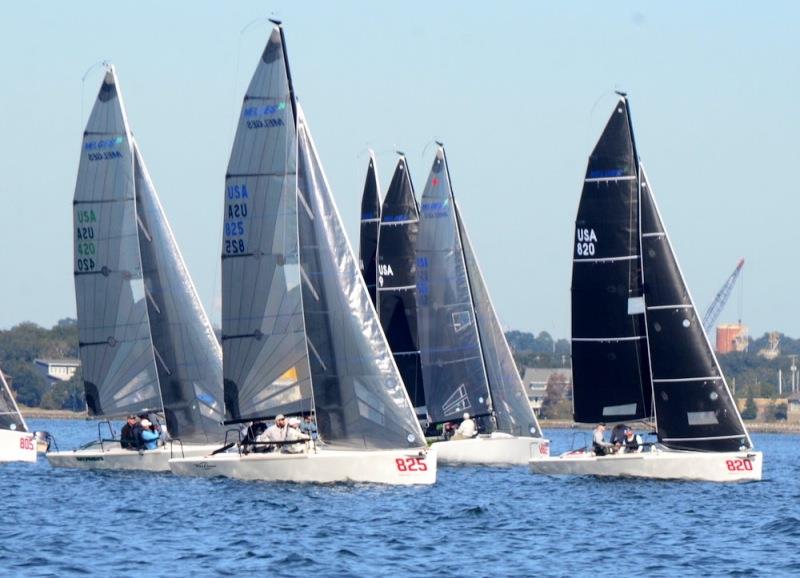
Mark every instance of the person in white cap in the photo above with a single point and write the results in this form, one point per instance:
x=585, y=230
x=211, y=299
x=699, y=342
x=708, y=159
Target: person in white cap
x=293, y=433
x=274, y=433
x=149, y=435
x=466, y=429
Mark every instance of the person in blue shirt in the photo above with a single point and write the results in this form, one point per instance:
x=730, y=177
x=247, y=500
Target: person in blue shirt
x=149, y=435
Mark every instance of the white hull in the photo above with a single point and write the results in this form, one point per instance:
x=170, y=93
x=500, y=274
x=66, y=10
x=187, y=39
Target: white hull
x=17, y=446
x=659, y=464
x=110, y=456
x=492, y=450
x=396, y=467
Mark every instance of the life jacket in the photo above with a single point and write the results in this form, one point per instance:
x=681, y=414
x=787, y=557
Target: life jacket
x=631, y=444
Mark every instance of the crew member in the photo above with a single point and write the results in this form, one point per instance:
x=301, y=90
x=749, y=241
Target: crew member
x=632, y=444
x=466, y=429
x=149, y=435
x=293, y=433
x=274, y=433
x=599, y=444
x=129, y=436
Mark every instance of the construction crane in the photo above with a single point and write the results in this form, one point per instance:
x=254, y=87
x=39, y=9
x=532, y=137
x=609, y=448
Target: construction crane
x=718, y=304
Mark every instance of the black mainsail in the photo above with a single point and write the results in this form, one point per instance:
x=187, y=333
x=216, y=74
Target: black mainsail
x=639, y=348
x=370, y=223
x=397, y=286
x=146, y=344
x=466, y=361
x=299, y=333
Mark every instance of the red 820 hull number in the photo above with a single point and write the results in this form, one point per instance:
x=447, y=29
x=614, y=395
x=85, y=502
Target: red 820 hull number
x=411, y=465
x=25, y=443
x=739, y=465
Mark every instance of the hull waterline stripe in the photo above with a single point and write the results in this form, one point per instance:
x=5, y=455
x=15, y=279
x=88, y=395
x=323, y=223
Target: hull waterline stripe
x=688, y=379
x=606, y=259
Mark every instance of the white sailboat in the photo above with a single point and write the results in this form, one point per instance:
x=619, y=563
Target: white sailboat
x=17, y=444
x=146, y=345
x=466, y=362
x=638, y=346
x=300, y=335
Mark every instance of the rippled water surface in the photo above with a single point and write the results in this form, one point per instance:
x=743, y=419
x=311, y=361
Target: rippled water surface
x=473, y=522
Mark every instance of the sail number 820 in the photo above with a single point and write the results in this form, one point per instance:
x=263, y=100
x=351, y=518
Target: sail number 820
x=584, y=249
x=739, y=465
x=411, y=465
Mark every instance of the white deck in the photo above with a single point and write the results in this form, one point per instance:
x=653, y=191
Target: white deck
x=110, y=456
x=495, y=449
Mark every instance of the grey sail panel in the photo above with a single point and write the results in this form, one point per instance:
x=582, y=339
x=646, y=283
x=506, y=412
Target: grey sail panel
x=397, y=290
x=265, y=361
x=360, y=400
x=114, y=336
x=10, y=417
x=512, y=409
x=370, y=223
x=450, y=349
x=188, y=356
x=609, y=345
x=694, y=407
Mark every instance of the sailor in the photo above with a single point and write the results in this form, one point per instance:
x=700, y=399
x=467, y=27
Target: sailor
x=274, y=433
x=308, y=427
x=129, y=436
x=618, y=434
x=632, y=444
x=600, y=446
x=149, y=435
x=293, y=433
x=466, y=429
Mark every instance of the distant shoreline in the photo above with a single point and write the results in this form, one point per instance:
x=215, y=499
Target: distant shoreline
x=753, y=426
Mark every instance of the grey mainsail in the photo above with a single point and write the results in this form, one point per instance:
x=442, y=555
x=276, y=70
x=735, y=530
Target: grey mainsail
x=188, y=356
x=466, y=361
x=116, y=353
x=299, y=332
x=10, y=417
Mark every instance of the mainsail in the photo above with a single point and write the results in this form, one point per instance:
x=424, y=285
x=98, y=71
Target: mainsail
x=10, y=417
x=302, y=323
x=116, y=353
x=370, y=223
x=465, y=355
x=397, y=287
x=146, y=343
x=609, y=345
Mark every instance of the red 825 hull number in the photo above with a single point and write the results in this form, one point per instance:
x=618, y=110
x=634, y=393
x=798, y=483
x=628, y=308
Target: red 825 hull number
x=26, y=443
x=739, y=465
x=411, y=465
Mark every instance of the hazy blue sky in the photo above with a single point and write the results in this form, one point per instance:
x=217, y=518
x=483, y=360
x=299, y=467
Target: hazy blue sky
x=518, y=91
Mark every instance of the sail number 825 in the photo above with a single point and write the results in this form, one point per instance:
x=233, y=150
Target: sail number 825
x=411, y=465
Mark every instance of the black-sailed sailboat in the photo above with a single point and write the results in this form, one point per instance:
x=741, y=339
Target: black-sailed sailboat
x=467, y=365
x=300, y=336
x=397, y=285
x=639, y=350
x=370, y=224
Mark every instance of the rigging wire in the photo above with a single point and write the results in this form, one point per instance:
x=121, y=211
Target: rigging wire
x=104, y=63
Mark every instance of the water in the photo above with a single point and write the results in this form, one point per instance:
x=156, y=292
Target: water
x=474, y=522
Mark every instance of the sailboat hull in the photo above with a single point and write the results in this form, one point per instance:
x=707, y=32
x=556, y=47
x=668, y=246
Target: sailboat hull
x=17, y=446
x=394, y=467
x=491, y=450
x=659, y=464
x=110, y=456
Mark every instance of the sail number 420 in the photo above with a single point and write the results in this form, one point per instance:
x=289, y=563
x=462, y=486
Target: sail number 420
x=739, y=465
x=411, y=465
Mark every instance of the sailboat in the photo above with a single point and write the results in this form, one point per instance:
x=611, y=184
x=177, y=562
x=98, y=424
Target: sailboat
x=639, y=351
x=467, y=365
x=17, y=444
x=397, y=286
x=299, y=334
x=370, y=222
x=146, y=345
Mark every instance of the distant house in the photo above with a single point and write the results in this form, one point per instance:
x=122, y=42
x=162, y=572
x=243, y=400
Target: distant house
x=57, y=369
x=535, y=380
x=793, y=408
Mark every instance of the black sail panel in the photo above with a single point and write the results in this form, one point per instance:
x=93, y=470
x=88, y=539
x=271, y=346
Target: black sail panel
x=370, y=223
x=694, y=407
x=397, y=289
x=609, y=348
x=188, y=356
x=452, y=360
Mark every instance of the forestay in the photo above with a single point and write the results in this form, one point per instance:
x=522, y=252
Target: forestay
x=397, y=289
x=188, y=356
x=694, y=407
x=370, y=223
x=10, y=417
x=265, y=359
x=609, y=347
x=114, y=335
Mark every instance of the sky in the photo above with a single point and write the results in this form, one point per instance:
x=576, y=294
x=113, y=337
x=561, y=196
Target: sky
x=517, y=91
